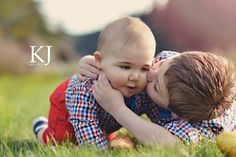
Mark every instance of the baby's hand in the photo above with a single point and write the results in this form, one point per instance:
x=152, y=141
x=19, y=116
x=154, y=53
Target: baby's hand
x=87, y=68
x=109, y=98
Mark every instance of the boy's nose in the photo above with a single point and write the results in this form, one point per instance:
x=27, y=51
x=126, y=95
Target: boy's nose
x=134, y=76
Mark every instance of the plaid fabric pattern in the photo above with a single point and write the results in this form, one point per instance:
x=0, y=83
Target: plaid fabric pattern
x=193, y=132
x=82, y=114
x=90, y=121
x=164, y=55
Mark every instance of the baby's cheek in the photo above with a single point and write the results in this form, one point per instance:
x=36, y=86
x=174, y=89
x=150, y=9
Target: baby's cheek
x=145, y=78
x=143, y=81
x=116, y=81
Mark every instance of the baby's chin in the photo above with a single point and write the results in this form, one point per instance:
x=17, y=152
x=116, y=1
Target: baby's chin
x=127, y=94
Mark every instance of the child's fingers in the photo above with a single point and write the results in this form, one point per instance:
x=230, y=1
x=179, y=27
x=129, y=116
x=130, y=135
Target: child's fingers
x=81, y=77
x=101, y=86
x=100, y=83
x=92, y=68
x=88, y=74
x=94, y=88
x=96, y=91
x=90, y=60
x=104, y=80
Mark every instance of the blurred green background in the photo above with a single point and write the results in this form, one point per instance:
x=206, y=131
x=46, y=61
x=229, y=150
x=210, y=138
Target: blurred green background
x=178, y=25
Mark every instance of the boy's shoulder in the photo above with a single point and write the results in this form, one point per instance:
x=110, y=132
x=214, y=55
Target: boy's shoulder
x=192, y=132
x=80, y=93
x=80, y=86
x=228, y=118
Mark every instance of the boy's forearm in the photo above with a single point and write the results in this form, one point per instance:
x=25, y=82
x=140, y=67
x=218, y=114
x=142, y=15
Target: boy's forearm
x=145, y=131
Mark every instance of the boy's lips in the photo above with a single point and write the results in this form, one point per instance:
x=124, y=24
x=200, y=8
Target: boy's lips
x=131, y=89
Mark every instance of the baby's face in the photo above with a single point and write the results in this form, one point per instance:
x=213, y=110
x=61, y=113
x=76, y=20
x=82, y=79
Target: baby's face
x=127, y=68
x=156, y=87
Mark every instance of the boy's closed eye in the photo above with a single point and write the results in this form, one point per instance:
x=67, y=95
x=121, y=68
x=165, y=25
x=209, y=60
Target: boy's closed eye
x=156, y=87
x=124, y=67
x=145, y=69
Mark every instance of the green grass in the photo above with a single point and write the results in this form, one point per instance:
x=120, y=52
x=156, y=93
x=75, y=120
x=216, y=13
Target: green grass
x=22, y=98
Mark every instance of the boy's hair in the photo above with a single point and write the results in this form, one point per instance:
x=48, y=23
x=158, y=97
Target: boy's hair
x=201, y=85
x=127, y=30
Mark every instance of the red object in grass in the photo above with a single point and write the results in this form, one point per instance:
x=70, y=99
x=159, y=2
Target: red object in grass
x=122, y=142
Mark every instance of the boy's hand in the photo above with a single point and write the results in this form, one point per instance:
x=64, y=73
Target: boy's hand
x=87, y=68
x=109, y=98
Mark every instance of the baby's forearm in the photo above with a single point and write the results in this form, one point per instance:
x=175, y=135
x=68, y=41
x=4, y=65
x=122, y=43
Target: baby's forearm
x=145, y=131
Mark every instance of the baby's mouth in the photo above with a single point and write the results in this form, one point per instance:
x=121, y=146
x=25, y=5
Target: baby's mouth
x=131, y=89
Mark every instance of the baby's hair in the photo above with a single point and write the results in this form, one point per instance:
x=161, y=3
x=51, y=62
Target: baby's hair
x=127, y=30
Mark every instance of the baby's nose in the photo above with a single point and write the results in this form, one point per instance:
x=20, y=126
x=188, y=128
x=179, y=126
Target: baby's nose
x=134, y=76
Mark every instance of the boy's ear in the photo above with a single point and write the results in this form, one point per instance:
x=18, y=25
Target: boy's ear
x=97, y=56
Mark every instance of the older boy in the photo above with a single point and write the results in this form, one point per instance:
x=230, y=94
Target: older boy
x=125, y=51
x=198, y=87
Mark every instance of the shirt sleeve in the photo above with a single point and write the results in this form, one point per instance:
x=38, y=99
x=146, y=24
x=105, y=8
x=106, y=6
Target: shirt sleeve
x=82, y=115
x=144, y=105
x=184, y=131
x=193, y=132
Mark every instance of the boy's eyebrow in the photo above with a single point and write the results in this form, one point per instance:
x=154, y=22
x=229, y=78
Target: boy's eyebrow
x=157, y=82
x=124, y=63
x=131, y=63
x=147, y=65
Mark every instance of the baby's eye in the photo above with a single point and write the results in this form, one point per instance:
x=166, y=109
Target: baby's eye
x=124, y=67
x=145, y=69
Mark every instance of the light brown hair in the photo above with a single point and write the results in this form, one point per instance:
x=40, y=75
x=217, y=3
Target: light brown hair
x=126, y=30
x=201, y=86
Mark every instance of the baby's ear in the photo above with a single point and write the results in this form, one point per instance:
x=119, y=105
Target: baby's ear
x=97, y=56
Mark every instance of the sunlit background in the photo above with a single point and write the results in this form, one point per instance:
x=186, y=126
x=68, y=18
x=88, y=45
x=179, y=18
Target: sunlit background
x=72, y=27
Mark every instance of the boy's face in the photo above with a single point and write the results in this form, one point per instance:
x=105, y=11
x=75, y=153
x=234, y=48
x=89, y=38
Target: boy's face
x=156, y=87
x=127, y=68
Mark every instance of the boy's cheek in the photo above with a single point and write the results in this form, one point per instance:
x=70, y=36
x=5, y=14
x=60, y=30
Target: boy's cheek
x=151, y=75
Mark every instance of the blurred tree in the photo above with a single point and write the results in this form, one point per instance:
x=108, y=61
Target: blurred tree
x=22, y=25
x=20, y=19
